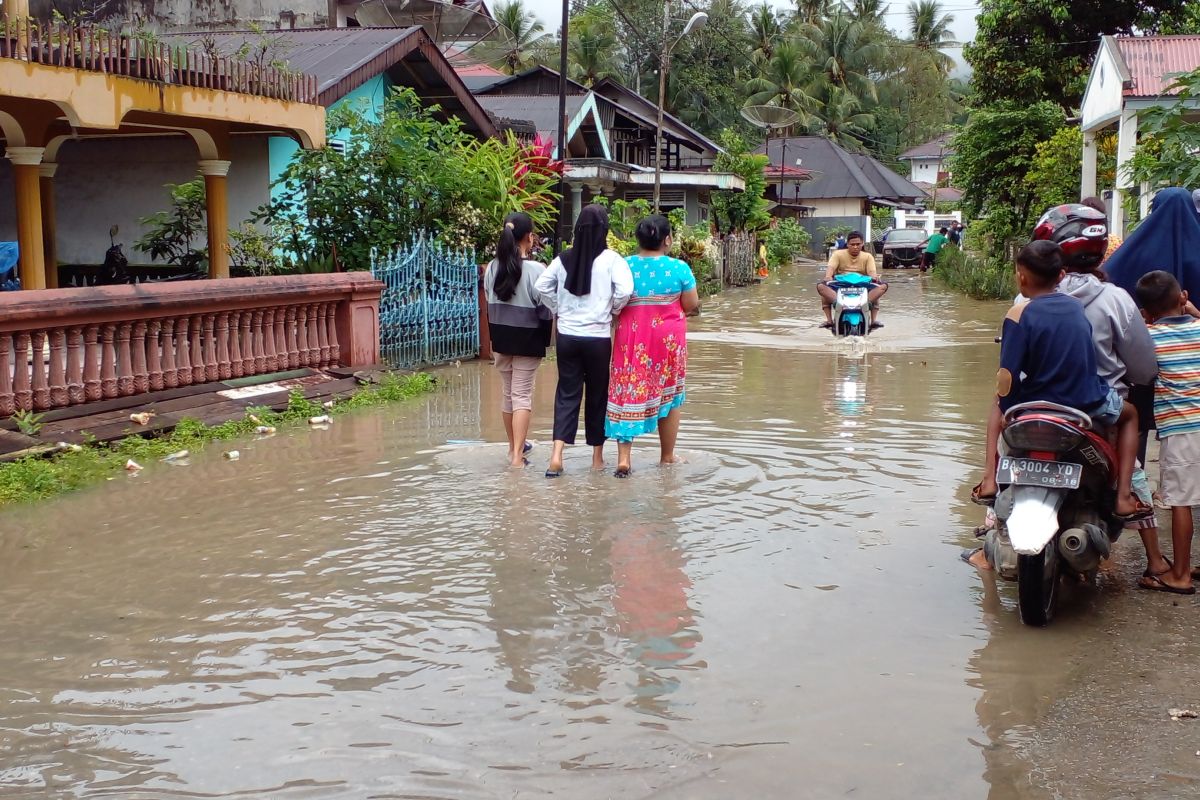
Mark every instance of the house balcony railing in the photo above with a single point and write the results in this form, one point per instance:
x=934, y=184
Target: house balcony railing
x=64, y=347
x=93, y=49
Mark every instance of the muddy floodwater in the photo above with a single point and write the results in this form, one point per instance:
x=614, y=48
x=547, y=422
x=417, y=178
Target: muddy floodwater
x=380, y=610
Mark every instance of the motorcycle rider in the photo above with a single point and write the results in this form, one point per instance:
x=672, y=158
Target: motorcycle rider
x=852, y=259
x=1047, y=354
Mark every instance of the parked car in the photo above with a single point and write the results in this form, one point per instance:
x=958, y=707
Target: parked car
x=903, y=248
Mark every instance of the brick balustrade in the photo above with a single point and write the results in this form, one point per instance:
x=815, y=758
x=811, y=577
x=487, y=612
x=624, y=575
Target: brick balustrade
x=62, y=347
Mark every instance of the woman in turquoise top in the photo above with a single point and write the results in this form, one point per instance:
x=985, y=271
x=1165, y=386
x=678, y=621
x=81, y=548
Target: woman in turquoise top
x=649, y=359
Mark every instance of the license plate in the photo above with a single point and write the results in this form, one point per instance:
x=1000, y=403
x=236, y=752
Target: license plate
x=1033, y=472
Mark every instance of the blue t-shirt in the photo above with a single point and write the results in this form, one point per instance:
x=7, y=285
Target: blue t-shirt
x=1047, y=355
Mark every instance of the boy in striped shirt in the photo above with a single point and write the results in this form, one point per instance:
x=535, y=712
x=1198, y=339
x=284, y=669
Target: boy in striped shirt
x=1176, y=336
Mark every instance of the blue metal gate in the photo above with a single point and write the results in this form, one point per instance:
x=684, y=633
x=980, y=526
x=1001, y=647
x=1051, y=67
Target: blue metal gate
x=429, y=311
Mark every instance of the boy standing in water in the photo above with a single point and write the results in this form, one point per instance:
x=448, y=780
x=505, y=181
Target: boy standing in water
x=1176, y=336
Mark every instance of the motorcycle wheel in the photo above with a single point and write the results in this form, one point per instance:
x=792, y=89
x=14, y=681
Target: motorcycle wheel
x=1037, y=586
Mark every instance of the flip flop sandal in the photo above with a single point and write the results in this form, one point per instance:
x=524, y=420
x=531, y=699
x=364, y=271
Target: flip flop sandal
x=827, y=325
x=876, y=326
x=1156, y=584
x=1142, y=512
x=554, y=473
x=1170, y=566
x=966, y=554
x=528, y=446
x=622, y=472
x=989, y=501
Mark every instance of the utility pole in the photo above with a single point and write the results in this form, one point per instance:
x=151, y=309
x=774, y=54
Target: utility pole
x=664, y=64
x=563, y=214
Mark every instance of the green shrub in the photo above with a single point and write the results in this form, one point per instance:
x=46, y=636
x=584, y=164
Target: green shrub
x=980, y=278
x=786, y=242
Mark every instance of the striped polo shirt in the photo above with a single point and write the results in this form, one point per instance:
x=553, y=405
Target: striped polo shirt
x=1177, y=392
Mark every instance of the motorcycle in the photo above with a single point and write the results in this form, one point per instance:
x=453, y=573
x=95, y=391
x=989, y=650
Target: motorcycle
x=851, y=308
x=1054, y=508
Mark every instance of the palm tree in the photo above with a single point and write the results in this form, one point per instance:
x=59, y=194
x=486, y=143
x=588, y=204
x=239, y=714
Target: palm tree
x=765, y=31
x=592, y=49
x=846, y=56
x=930, y=30
x=811, y=12
x=843, y=120
x=520, y=38
x=783, y=80
x=868, y=11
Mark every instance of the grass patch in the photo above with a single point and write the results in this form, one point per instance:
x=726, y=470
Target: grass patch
x=36, y=478
x=982, y=279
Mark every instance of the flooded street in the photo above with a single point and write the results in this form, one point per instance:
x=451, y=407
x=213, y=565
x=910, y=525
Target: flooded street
x=381, y=610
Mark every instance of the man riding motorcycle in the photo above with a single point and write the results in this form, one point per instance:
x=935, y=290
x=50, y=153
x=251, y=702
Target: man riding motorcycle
x=852, y=259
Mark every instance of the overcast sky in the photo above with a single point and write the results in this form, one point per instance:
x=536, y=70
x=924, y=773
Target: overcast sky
x=964, y=11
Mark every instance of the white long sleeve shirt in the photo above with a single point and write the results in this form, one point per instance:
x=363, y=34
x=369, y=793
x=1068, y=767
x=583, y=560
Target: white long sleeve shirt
x=590, y=315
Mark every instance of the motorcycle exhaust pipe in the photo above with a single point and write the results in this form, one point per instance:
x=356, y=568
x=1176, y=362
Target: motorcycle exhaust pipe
x=1075, y=546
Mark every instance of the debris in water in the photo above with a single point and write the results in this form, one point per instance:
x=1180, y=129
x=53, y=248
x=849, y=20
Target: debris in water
x=265, y=430
x=1183, y=713
x=179, y=455
x=324, y=419
x=328, y=404
x=132, y=465
x=254, y=419
x=232, y=455
x=143, y=418
x=828, y=588
x=74, y=448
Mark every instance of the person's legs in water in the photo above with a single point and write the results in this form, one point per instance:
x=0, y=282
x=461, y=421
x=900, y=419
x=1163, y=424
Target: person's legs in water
x=878, y=291
x=504, y=367
x=567, y=398
x=668, y=435
x=521, y=400
x=828, y=296
x=624, y=458
x=597, y=363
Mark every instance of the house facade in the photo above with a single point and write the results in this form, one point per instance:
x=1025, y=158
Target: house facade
x=610, y=141
x=929, y=163
x=837, y=188
x=1129, y=74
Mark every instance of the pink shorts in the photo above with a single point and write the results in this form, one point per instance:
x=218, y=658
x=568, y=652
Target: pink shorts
x=516, y=380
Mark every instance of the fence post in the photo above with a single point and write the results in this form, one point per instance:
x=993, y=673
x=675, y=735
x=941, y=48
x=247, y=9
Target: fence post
x=423, y=264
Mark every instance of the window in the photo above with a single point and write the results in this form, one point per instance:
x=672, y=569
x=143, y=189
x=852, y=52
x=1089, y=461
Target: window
x=337, y=145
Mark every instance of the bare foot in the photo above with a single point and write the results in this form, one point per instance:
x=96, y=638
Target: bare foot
x=1158, y=566
x=979, y=560
x=986, y=490
x=675, y=459
x=555, y=466
x=1128, y=504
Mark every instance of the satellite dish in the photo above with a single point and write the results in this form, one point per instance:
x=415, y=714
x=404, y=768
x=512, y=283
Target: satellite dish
x=770, y=117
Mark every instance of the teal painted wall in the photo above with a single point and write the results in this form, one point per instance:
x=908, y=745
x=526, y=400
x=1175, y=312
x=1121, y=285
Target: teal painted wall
x=369, y=98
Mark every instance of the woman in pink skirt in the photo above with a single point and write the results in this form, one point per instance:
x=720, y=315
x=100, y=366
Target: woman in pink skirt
x=649, y=359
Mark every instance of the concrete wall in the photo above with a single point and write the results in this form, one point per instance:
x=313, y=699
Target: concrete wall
x=817, y=226
x=835, y=206
x=106, y=182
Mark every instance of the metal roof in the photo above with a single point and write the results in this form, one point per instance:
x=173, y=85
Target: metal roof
x=934, y=148
x=541, y=110
x=1153, y=62
x=343, y=59
x=837, y=173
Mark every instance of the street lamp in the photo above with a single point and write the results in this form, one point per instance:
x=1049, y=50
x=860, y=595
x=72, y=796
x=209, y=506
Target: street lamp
x=698, y=21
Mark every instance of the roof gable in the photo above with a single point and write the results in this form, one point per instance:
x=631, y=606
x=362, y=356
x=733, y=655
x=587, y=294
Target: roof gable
x=938, y=147
x=343, y=59
x=623, y=96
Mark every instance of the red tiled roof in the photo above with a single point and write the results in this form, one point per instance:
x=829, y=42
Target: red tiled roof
x=476, y=70
x=1155, y=61
x=797, y=173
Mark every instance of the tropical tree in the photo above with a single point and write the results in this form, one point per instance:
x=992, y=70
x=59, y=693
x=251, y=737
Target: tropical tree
x=843, y=121
x=869, y=12
x=845, y=54
x=765, y=31
x=811, y=12
x=784, y=80
x=520, y=38
x=929, y=31
x=593, y=51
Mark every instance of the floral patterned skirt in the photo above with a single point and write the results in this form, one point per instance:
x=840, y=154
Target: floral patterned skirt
x=649, y=363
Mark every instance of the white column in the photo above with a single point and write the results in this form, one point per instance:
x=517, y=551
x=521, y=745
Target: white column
x=576, y=201
x=1144, y=196
x=1087, y=185
x=1126, y=142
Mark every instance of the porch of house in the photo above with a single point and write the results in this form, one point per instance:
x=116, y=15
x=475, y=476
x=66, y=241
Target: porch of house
x=116, y=113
